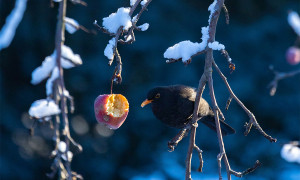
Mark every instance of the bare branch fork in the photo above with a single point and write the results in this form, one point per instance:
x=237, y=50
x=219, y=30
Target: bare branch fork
x=124, y=37
x=279, y=76
x=206, y=78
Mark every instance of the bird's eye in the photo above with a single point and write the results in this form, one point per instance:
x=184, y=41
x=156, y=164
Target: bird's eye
x=157, y=95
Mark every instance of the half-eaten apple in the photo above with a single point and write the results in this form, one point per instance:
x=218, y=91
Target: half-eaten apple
x=111, y=110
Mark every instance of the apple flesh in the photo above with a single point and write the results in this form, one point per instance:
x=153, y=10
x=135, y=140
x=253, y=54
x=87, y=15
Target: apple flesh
x=111, y=110
x=293, y=55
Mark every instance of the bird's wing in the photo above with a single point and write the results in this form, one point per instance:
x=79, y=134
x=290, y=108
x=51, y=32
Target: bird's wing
x=187, y=98
x=185, y=102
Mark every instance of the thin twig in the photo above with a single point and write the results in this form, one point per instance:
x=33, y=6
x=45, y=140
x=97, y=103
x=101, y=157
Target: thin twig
x=174, y=142
x=252, y=120
x=79, y=2
x=247, y=171
x=219, y=159
x=228, y=103
x=59, y=41
x=188, y=160
x=200, y=157
x=207, y=77
x=226, y=13
x=64, y=167
x=279, y=76
x=229, y=60
x=217, y=121
x=190, y=152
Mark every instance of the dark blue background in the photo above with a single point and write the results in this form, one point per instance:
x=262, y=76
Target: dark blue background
x=258, y=35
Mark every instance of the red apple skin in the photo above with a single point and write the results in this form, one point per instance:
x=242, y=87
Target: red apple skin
x=293, y=55
x=101, y=115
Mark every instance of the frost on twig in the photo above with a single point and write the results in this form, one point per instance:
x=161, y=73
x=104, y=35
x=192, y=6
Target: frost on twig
x=184, y=51
x=121, y=26
x=8, y=31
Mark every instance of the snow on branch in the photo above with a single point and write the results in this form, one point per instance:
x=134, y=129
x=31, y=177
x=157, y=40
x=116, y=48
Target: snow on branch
x=56, y=103
x=68, y=60
x=121, y=26
x=132, y=2
x=51, y=80
x=291, y=152
x=144, y=27
x=71, y=25
x=144, y=2
x=184, y=51
x=43, y=108
x=43, y=71
x=116, y=20
x=294, y=21
x=8, y=31
x=109, y=49
x=216, y=46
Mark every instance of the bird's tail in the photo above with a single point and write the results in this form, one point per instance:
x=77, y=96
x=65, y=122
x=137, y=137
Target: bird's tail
x=209, y=121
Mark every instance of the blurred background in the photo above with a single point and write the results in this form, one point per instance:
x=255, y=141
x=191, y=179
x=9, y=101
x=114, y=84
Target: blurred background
x=258, y=36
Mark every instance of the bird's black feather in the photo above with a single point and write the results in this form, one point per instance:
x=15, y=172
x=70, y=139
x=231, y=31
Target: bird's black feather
x=175, y=104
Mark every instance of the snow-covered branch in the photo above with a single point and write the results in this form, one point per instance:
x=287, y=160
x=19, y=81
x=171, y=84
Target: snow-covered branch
x=57, y=96
x=294, y=21
x=184, y=51
x=121, y=26
x=8, y=31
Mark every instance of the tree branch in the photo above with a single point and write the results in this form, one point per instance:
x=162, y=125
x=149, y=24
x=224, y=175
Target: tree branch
x=62, y=166
x=117, y=77
x=252, y=120
x=59, y=41
x=279, y=76
x=191, y=147
x=173, y=143
x=207, y=77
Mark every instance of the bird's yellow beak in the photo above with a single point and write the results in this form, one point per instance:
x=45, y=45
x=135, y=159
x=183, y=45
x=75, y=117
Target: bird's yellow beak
x=146, y=102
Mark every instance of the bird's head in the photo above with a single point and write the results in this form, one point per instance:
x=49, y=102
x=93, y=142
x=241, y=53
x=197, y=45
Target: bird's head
x=154, y=95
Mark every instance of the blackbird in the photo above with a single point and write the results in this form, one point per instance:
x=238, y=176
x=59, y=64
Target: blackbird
x=174, y=105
